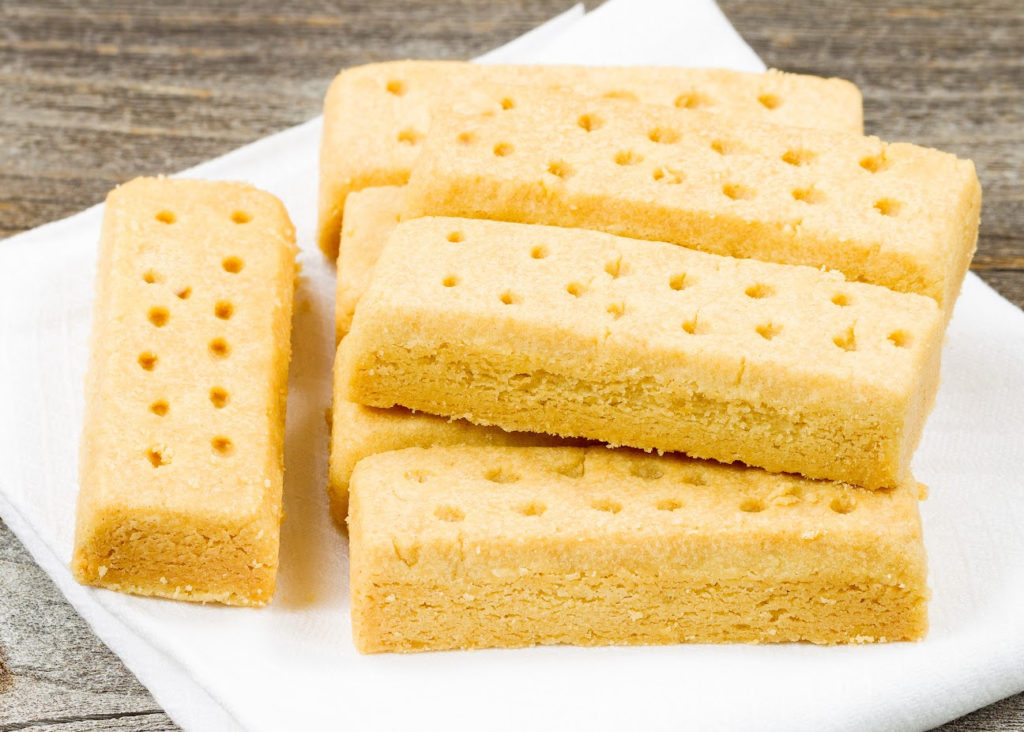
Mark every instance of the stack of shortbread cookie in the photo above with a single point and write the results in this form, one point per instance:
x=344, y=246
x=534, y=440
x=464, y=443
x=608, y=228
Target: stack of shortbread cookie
x=625, y=356
x=714, y=273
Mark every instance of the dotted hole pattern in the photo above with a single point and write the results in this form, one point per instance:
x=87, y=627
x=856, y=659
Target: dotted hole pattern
x=160, y=316
x=842, y=503
x=666, y=136
x=617, y=267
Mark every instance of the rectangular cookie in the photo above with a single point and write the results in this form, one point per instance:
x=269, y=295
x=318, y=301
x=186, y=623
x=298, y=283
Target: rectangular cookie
x=370, y=216
x=583, y=334
x=482, y=547
x=896, y=215
x=181, y=453
x=375, y=116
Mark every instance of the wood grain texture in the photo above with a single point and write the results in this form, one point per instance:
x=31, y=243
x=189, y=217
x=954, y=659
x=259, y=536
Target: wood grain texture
x=93, y=93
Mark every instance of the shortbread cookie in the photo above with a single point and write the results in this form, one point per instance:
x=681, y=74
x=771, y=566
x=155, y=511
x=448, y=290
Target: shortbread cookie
x=896, y=215
x=181, y=455
x=583, y=334
x=478, y=547
x=375, y=116
x=370, y=216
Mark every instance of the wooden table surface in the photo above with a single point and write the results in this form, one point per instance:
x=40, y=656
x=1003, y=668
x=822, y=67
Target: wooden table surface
x=94, y=93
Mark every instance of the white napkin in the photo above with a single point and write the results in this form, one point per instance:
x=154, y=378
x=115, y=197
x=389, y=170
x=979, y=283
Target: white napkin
x=292, y=664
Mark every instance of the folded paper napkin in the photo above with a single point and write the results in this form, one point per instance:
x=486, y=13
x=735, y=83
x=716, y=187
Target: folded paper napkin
x=292, y=664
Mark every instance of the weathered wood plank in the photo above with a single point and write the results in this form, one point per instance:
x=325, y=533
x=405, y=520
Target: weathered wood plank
x=53, y=670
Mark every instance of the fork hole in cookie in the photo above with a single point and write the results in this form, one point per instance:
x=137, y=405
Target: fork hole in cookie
x=184, y=293
x=843, y=504
x=888, y=207
x=768, y=330
x=810, y=195
x=574, y=288
x=692, y=100
x=503, y=149
x=678, y=282
x=396, y=87
x=770, y=101
x=726, y=147
x=799, y=157
x=646, y=471
x=759, y=291
x=628, y=157
x=669, y=504
x=623, y=94
x=573, y=469
x=590, y=122
x=663, y=135
x=449, y=513
x=455, y=237
x=450, y=281
x=693, y=326
x=410, y=136
x=752, y=505
x=158, y=316
x=738, y=192
x=219, y=397
x=539, y=252
x=166, y=217
x=900, y=338
x=147, y=360
x=874, y=163
x=616, y=309
x=241, y=217
x=157, y=457
x=159, y=407
x=509, y=298
x=151, y=277
x=466, y=138
x=232, y=265
x=667, y=176
x=222, y=446
x=560, y=169
x=532, y=508
x=219, y=348
x=846, y=340
x=224, y=310
x=501, y=475
x=606, y=504
x=841, y=299
x=508, y=103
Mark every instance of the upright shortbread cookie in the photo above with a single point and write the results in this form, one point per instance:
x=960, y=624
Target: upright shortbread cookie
x=375, y=116
x=583, y=334
x=896, y=215
x=504, y=547
x=370, y=216
x=181, y=455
